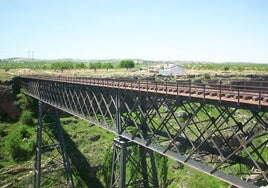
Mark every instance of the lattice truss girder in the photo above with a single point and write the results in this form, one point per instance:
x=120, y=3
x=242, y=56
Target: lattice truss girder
x=227, y=139
x=95, y=104
x=231, y=140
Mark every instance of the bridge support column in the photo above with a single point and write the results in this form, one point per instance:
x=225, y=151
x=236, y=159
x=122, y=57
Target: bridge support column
x=37, y=174
x=118, y=178
x=131, y=164
x=55, y=167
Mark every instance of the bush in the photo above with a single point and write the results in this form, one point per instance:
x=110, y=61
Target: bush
x=226, y=68
x=207, y=76
x=24, y=133
x=127, y=64
x=24, y=101
x=26, y=117
x=15, y=148
x=106, y=168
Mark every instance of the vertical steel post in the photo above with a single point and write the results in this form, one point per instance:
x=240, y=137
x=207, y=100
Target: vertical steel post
x=37, y=174
x=118, y=111
x=122, y=162
x=144, y=166
x=123, y=156
x=118, y=178
x=154, y=172
x=119, y=150
x=113, y=173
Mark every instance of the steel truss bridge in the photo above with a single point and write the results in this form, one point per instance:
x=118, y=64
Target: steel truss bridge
x=221, y=130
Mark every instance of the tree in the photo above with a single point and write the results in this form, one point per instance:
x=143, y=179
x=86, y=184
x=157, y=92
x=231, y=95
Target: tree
x=62, y=66
x=95, y=65
x=226, y=68
x=80, y=65
x=107, y=65
x=127, y=64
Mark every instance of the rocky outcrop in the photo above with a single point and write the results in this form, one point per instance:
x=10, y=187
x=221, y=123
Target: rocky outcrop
x=8, y=90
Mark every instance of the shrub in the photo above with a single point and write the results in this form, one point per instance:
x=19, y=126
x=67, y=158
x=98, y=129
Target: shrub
x=127, y=64
x=31, y=146
x=106, y=168
x=24, y=101
x=226, y=68
x=24, y=133
x=15, y=148
x=207, y=76
x=27, y=117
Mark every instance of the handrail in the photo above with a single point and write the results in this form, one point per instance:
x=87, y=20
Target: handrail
x=181, y=88
x=180, y=83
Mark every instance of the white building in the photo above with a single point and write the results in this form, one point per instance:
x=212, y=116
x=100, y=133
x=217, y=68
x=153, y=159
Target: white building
x=171, y=70
x=154, y=69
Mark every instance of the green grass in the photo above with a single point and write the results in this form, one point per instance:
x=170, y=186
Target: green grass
x=188, y=177
x=80, y=132
x=21, y=138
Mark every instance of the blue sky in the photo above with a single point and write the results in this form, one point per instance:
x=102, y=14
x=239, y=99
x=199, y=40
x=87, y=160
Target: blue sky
x=200, y=30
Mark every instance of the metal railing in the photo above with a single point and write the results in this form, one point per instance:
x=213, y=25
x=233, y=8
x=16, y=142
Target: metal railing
x=239, y=93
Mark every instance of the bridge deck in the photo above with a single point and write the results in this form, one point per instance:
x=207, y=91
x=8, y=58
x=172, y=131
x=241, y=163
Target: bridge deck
x=233, y=95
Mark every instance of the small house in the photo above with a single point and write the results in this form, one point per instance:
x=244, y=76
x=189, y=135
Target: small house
x=171, y=70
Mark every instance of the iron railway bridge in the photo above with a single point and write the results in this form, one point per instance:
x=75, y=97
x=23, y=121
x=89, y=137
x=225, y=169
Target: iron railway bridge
x=221, y=130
